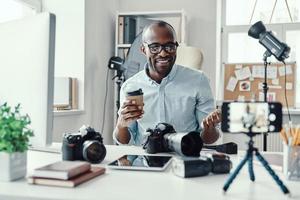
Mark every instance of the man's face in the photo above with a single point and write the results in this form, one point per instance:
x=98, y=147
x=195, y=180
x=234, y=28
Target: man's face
x=160, y=58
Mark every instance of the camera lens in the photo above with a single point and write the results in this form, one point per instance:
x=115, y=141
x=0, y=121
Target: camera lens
x=93, y=151
x=191, y=144
x=185, y=144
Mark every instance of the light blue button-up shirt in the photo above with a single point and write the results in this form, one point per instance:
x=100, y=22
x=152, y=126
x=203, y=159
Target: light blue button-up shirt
x=182, y=99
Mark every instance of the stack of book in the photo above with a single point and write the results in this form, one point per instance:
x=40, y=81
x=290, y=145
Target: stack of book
x=65, y=174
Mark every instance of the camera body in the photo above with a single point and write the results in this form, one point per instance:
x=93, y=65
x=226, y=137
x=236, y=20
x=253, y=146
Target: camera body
x=192, y=167
x=87, y=144
x=164, y=138
x=156, y=142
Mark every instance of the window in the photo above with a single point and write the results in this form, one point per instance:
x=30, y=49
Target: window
x=282, y=17
x=242, y=12
x=15, y=9
x=293, y=39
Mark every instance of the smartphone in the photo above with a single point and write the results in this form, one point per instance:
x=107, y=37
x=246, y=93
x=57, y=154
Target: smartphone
x=255, y=117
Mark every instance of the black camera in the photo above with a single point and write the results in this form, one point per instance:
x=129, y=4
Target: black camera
x=192, y=167
x=87, y=145
x=164, y=138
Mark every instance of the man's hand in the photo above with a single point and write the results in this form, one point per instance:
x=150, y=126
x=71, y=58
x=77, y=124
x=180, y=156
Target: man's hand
x=210, y=134
x=212, y=119
x=130, y=112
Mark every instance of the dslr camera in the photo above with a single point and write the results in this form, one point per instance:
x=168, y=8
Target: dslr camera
x=164, y=138
x=87, y=145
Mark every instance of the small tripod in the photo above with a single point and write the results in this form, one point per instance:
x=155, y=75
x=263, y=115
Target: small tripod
x=249, y=158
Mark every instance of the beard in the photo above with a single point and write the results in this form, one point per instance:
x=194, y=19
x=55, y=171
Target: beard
x=161, y=66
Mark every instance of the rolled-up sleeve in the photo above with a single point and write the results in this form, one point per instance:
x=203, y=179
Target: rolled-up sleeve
x=132, y=129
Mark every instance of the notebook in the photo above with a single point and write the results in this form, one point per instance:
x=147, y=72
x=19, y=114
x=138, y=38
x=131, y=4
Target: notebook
x=93, y=172
x=62, y=169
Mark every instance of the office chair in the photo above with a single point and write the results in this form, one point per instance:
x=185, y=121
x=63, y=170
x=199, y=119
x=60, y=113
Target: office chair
x=189, y=56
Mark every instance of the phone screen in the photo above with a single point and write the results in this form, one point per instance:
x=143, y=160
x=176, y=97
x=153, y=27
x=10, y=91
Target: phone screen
x=256, y=117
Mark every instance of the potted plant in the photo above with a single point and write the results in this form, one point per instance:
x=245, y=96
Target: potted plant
x=14, y=142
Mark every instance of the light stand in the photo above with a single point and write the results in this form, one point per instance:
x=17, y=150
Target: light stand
x=265, y=91
x=115, y=63
x=249, y=158
x=119, y=79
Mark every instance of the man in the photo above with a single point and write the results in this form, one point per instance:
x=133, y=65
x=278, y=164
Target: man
x=248, y=119
x=173, y=94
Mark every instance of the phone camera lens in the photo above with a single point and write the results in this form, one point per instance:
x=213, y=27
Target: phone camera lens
x=272, y=117
x=271, y=128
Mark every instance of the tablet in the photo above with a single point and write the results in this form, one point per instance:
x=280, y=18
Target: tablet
x=141, y=162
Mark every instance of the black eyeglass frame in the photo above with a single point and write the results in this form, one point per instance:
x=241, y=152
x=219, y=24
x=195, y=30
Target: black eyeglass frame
x=162, y=47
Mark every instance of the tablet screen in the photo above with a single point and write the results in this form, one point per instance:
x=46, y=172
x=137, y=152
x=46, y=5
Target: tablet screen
x=141, y=162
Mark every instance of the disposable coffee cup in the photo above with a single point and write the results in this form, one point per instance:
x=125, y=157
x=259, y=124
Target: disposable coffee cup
x=136, y=95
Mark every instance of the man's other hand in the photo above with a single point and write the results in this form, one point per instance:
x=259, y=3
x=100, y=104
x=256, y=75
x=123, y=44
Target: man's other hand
x=212, y=119
x=130, y=112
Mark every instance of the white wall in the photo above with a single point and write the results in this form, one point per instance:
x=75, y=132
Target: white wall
x=100, y=35
x=69, y=45
x=201, y=25
x=93, y=22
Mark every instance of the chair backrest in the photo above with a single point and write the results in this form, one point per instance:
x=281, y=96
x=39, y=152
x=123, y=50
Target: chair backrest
x=189, y=57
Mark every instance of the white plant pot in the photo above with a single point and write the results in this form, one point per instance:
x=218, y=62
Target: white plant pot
x=12, y=166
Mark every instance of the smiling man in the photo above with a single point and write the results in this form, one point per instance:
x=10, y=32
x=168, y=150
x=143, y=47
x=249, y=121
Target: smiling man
x=173, y=94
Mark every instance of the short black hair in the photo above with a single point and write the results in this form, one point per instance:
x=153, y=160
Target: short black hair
x=159, y=23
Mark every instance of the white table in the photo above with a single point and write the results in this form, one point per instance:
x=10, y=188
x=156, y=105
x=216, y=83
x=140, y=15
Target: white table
x=118, y=184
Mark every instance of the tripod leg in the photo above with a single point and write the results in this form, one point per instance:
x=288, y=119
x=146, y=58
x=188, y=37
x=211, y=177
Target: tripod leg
x=235, y=173
x=250, y=167
x=272, y=173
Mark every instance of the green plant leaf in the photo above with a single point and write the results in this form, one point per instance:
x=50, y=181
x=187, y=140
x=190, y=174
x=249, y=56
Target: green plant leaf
x=14, y=130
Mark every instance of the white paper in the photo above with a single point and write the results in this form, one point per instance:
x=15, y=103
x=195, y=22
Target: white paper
x=289, y=86
x=241, y=98
x=271, y=72
x=271, y=96
x=258, y=71
x=243, y=73
x=231, y=84
x=288, y=70
x=261, y=96
x=275, y=86
x=238, y=66
x=275, y=81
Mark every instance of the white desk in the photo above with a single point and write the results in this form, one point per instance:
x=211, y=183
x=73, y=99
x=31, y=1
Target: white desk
x=117, y=184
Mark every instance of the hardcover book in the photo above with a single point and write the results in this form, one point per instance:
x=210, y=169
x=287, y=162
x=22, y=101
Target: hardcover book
x=62, y=169
x=62, y=92
x=93, y=172
x=129, y=29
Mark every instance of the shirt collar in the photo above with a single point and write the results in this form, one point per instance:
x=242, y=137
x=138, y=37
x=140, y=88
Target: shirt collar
x=170, y=76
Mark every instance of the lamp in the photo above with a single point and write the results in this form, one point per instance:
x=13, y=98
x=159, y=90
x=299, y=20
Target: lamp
x=278, y=49
x=274, y=47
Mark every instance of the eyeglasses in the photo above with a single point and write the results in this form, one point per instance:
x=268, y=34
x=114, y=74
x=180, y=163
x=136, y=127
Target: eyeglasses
x=156, y=48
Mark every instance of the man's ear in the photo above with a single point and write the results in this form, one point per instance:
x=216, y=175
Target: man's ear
x=142, y=48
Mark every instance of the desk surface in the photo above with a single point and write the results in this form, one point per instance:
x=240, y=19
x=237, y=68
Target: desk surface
x=119, y=184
